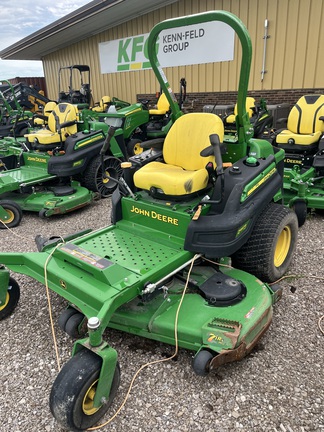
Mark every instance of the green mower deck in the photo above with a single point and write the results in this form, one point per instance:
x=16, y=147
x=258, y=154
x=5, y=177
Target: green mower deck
x=123, y=259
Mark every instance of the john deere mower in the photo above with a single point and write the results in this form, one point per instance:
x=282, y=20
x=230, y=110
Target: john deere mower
x=303, y=142
x=44, y=172
x=162, y=270
x=260, y=118
x=139, y=122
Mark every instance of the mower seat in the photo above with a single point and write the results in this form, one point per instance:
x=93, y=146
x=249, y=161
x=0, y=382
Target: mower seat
x=305, y=126
x=49, y=137
x=183, y=171
x=250, y=108
x=162, y=106
x=48, y=108
x=104, y=104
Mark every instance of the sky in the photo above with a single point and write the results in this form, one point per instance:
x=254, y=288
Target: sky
x=20, y=18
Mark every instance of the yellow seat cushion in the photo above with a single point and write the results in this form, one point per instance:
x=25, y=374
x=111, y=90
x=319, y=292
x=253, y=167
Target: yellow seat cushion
x=171, y=179
x=162, y=106
x=183, y=171
x=304, y=125
x=305, y=139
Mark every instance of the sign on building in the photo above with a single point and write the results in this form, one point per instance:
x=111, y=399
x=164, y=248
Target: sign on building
x=199, y=43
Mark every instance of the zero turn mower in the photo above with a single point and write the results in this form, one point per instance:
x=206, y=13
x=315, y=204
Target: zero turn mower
x=163, y=270
x=303, y=142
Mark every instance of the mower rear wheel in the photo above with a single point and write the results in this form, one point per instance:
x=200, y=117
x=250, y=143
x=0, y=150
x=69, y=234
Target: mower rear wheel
x=93, y=179
x=14, y=214
x=269, y=251
x=201, y=361
x=134, y=147
x=11, y=300
x=300, y=208
x=72, y=394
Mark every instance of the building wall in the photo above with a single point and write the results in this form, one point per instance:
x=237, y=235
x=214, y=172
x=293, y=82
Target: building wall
x=293, y=55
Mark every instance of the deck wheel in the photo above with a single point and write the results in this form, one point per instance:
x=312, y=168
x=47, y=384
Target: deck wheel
x=201, y=362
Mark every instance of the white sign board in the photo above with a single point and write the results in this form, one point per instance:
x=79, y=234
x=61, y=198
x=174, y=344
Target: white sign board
x=195, y=44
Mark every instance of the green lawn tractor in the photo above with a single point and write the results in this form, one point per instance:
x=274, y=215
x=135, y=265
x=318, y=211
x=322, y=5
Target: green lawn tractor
x=59, y=168
x=303, y=142
x=188, y=222
x=138, y=121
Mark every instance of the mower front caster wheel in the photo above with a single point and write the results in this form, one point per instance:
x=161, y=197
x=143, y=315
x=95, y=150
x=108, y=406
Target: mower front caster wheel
x=11, y=300
x=73, y=392
x=14, y=214
x=201, y=362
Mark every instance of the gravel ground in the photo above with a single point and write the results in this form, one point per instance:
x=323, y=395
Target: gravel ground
x=278, y=387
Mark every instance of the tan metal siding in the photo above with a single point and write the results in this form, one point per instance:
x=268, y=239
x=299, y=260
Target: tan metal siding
x=293, y=56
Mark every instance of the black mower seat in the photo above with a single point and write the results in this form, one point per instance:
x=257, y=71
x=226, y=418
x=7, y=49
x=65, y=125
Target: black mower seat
x=63, y=112
x=184, y=171
x=304, y=126
x=250, y=109
x=162, y=106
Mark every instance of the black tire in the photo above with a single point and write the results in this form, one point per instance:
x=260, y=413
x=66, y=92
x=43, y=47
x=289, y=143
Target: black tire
x=133, y=147
x=65, y=316
x=42, y=213
x=300, y=208
x=14, y=212
x=201, y=361
x=73, y=326
x=13, y=295
x=269, y=251
x=92, y=177
x=70, y=398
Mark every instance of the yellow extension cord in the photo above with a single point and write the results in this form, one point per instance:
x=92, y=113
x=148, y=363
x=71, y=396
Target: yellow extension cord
x=175, y=328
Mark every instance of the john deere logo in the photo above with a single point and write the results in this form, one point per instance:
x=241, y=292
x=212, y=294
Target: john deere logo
x=63, y=284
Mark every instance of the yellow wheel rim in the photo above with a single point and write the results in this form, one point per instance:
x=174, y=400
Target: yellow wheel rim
x=87, y=404
x=11, y=217
x=282, y=247
x=137, y=149
x=5, y=303
x=106, y=179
